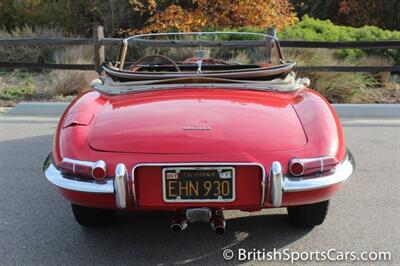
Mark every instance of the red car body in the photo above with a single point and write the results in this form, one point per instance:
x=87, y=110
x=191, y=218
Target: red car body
x=258, y=133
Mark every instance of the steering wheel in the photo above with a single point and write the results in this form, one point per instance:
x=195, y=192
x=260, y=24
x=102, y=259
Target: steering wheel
x=140, y=60
x=211, y=61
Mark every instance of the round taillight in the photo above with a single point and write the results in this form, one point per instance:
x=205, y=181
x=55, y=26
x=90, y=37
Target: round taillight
x=296, y=168
x=99, y=170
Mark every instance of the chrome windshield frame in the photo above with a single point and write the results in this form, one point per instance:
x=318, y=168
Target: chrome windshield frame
x=200, y=33
x=268, y=40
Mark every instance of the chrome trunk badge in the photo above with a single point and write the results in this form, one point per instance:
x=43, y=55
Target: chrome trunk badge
x=196, y=127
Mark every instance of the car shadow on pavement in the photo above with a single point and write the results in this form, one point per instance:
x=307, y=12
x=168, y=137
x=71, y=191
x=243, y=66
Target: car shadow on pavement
x=147, y=234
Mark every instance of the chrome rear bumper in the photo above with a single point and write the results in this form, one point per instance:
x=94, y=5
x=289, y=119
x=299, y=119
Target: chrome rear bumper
x=115, y=186
x=280, y=184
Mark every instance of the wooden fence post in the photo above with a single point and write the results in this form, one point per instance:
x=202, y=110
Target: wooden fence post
x=99, y=56
x=269, y=44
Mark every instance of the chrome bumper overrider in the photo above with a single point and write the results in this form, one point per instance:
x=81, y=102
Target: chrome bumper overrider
x=278, y=183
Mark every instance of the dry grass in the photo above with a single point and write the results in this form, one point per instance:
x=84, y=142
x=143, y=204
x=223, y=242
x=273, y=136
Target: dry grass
x=388, y=93
x=20, y=85
x=29, y=53
x=64, y=84
x=336, y=87
x=70, y=82
x=60, y=85
x=46, y=85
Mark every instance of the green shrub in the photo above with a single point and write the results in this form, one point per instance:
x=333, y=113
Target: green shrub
x=310, y=29
x=17, y=92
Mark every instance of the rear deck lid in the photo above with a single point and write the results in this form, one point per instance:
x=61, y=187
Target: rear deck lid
x=191, y=123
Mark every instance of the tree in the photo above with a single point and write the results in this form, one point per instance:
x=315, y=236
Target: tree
x=322, y=9
x=196, y=15
x=77, y=17
x=384, y=13
x=74, y=17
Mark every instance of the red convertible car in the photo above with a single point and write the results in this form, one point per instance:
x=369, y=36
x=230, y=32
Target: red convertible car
x=195, y=124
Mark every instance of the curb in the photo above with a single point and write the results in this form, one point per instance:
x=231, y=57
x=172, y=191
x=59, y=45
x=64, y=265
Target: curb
x=38, y=109
x=367, y=110
x=343, y=110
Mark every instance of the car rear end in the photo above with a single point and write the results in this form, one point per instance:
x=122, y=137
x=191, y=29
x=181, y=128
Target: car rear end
x=109, y=156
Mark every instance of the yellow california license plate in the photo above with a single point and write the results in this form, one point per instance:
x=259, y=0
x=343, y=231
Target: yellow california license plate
x=213, y=184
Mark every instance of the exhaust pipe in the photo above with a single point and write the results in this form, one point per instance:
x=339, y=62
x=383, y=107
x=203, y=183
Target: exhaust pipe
x=215, y=218
x=218, y=223
x=178, y=224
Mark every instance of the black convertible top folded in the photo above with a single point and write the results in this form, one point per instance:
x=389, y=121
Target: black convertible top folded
x=250, y=73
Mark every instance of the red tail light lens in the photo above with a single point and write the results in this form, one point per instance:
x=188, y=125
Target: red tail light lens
x=99, y=170
x=96, y=170
x=66, y=167
x=298, y=167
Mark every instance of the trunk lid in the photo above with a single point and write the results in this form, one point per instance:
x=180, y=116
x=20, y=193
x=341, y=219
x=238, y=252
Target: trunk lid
x=192, y=122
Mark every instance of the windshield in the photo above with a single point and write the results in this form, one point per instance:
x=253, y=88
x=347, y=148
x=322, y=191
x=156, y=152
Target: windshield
x=206, y=48
x=199, y=57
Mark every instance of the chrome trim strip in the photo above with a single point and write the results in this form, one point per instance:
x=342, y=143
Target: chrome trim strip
x=269, y=187
x=72, y=161
x=263, y=177
x=133, y=196
x=322, y=165
x=339, y=174
x=311, y=159
x=90, y=186
x=263, y=183
x=255, y=87
x=121, y=174
x=277, y=181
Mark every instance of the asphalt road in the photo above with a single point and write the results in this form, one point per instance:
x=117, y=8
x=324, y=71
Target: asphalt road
x=37, y=226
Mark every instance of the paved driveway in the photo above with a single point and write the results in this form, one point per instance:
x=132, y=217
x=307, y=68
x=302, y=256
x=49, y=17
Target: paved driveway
x=37, y=226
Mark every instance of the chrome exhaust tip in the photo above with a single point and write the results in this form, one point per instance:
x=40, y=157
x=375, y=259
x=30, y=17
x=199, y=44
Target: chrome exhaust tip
x=219, y=230
x=178, y=225
x=176, y=228
x=218, y=223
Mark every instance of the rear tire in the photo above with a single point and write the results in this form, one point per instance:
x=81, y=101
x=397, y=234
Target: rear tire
x=308, y=215
x=91, y=217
